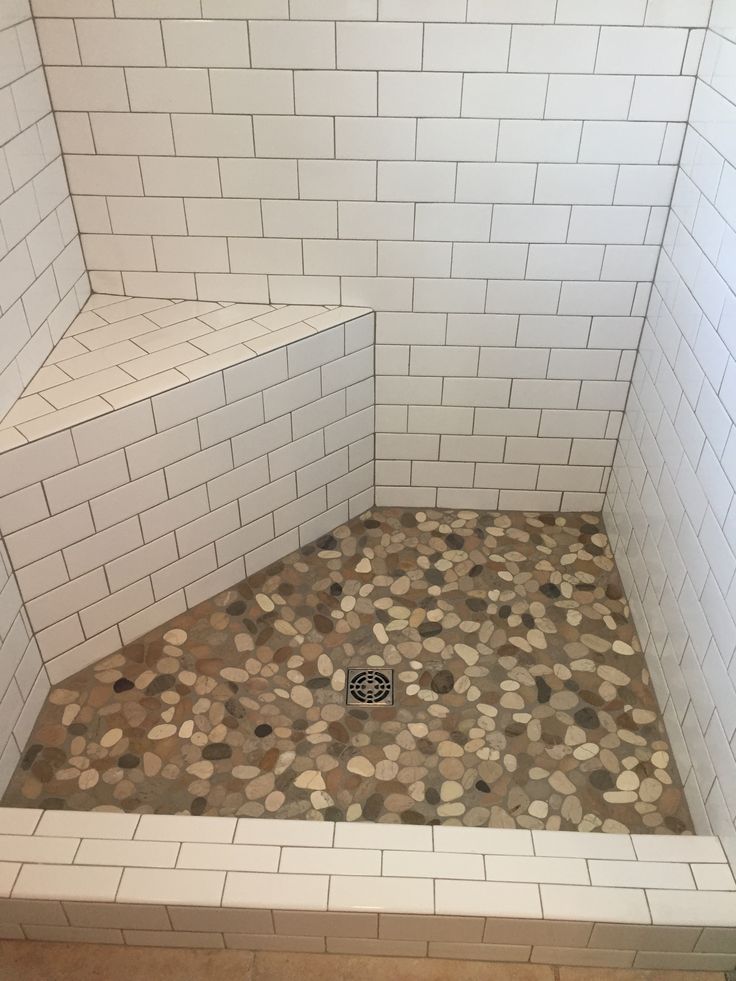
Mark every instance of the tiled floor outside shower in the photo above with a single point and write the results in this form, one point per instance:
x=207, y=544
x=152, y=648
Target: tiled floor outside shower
x=521, y=694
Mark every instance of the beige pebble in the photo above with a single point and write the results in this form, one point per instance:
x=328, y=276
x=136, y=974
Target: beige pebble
x=265, y=602
x=595, y=643
x=302, y=696
x=203, y=769
x=627, y=780
x=310, y=780
x=616, y=677
x=162, y=732
x=511, y=700
x=361, y=765
x=620, y=796
x=451, y=809
x=175, y=637
x=448, y=748
x=650, y=790
x=88, y=779
x=274, y=801
x=562, y=784
x=621, y=647
x=468, y=654
x=363, y=566
x=111, y=737
x=379, y=632
x=539, y=809
x=386, y=770
x=451, y=790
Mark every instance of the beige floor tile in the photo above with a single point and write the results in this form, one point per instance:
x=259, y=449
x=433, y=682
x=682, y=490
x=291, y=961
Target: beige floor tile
x=612, y=974
x=88, y=962
x=31, y=961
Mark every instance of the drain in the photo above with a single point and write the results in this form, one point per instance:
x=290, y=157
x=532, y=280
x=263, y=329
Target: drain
x=366, y=686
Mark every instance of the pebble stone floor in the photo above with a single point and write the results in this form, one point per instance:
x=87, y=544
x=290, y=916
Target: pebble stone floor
x=522, y=697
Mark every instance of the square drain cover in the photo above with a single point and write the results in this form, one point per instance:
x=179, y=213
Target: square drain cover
x=368, y=686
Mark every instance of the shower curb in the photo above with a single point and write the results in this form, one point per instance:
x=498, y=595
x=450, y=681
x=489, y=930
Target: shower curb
x=646, y=901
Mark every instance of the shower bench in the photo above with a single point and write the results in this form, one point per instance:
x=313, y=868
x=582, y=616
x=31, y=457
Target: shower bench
x=167, y=449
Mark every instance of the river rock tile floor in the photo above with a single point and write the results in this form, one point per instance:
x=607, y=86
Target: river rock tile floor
x=522, y=697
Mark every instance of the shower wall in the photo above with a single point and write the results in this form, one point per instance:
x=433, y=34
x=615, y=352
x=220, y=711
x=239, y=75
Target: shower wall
x=492, y=177
x=43, y=284
x=671, y=503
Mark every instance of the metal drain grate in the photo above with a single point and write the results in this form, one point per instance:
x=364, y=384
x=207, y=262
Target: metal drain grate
x=366, y=686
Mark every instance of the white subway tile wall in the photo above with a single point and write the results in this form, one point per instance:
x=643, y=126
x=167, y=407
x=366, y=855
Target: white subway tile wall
x=141, y=504
x=43, y=284
x=671, y=504
x=492, y=180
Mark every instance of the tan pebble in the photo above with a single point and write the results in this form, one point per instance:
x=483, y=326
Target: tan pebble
x=613, y=827
x=448, y=748
x=627, y=780
x=451, y=790
x=643, y=717
x=620, y=796
x=302, y=696
x=595, y=643
x=88, y=779
x=310, y=780
x=575, y=736
x=621, y=647
x=452, y=809
x=260, y=787
x=69, y=715
x=186, y=729
x=236, y=675
x=144, y=679
x=175, y=637
x=245, y=772
x=511, y=700
x=468, y=654
x=320, y=800
x=418, y=729
x=284, y=627
x=162, y=732
x=151, y=764
x=347, y=603
x=362, y=766
x=203, y=769
x=650, y=790
x=363, y=566
x=539, y=809
x=613, y=675
x=386, y=770
x=274, y=801
x=243, y=642
x=401, y=586
x=353, y=812
x=62, y=696
x=111, y=737
x=265, y=602
x=379, y=632
x=559, y=782
x=660, y=759
x=585, y=752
